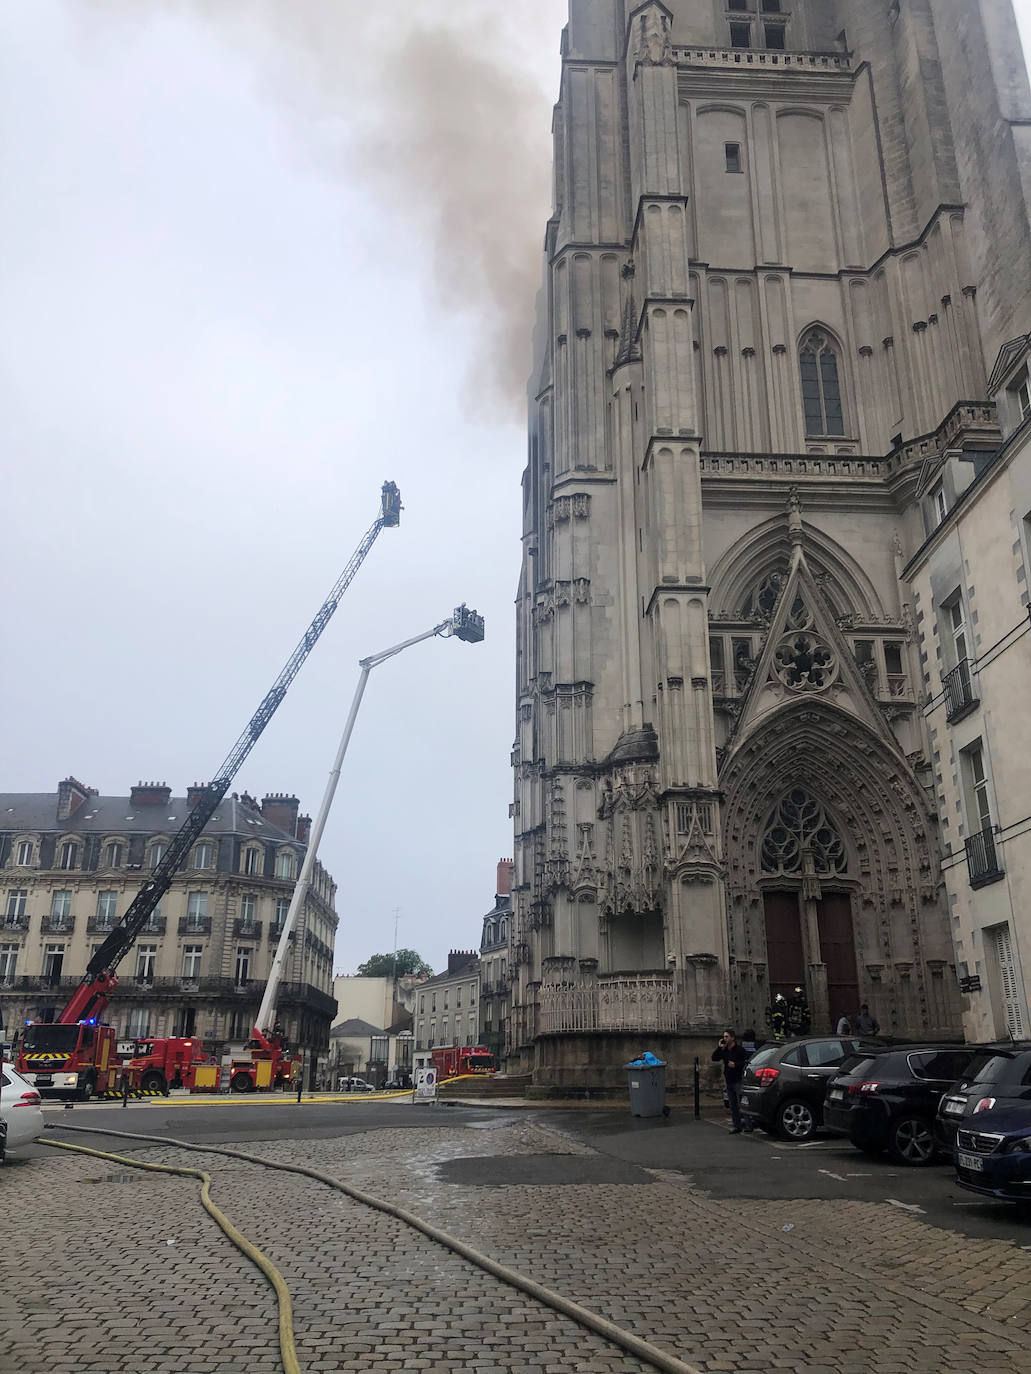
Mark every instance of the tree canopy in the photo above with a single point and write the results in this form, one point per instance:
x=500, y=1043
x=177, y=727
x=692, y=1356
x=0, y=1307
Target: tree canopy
x=405, y=962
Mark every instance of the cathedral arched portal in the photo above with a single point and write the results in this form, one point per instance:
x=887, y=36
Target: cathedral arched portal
x=833, y=876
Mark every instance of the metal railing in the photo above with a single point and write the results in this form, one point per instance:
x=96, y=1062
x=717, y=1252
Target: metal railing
x=983, y=864
x=245, y=928
x=194, y=925
x=624, y=1003
x=57, y=925
x=959, y=689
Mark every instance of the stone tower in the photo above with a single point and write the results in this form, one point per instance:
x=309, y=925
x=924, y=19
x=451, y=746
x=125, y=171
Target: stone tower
x=789, y=237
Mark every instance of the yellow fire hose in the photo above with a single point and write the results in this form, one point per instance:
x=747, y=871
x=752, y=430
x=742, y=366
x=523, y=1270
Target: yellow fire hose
x=287, y=1348
x=646, y=1352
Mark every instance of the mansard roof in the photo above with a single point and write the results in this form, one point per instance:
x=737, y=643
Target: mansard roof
x=37, y=812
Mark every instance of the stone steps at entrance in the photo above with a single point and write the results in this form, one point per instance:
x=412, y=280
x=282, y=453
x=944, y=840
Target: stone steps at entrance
x=510, y=1085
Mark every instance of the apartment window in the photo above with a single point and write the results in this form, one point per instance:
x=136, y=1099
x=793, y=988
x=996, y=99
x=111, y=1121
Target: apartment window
x=285, y=866
x=737, y=4
x=248, y=907
x=191, y=961
x=107, y=906
x=445, y=998
x=999, y=948
x=472, y=994
x=252, y=861
x=433, y=1033
x=770, y=6
x=69, y=854
x=939, y=505
x=422, y=1004
x=243, y=963
x=185, y=1023
x=146, y=956
x=958, y=629
x=282, y=907
x=241, y=1023
x=24, y=854
x=157, y=852
x=114, y=855
x=8, y=960
x=1021, y=393
x=458, y=998
x=16, y=899
x=983, y=865
x=203, y=855
x=821, y=389
x=740, y=35
x=53, y=960
x=773, y=35
x=443, y=1030
x=433, y=1002
x=732, y=154
x=197, y=907
x=61, y=905
x=138, y=1025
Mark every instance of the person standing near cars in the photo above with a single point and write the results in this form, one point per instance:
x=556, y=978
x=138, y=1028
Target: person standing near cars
x=865, y=1023
x=844, y=1026
x=734, y=1057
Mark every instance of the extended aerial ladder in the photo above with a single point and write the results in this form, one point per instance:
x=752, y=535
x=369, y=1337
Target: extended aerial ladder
x=91, y=996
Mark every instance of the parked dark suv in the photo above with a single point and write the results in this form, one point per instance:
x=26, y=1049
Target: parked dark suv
x=784, y=1083
x=998, y=1077
x=889, y=1101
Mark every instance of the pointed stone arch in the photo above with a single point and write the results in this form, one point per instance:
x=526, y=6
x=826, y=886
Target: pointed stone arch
x=766, y=550
x=890, y=869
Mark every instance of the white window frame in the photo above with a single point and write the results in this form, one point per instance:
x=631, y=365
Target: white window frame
x=193, y=956
x=203, y=854
x=196, y=907
x=114, y=854
x=146, y=958
x=17, y=897
x=107, y=904
x=248, y=907
x=244, y=955
x=285, y=867
x=8, y=961
x=26, y=850
x=61, y=904
x=69, y=855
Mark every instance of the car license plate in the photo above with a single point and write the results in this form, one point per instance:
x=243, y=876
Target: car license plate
x=44, y=1082
x=836, y=1094
x=970, y=1162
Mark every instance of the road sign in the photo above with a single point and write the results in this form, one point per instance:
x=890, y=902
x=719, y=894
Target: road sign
x=426, y=1085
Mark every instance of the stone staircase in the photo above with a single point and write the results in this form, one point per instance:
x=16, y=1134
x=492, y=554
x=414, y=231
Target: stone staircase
x=497, y=1085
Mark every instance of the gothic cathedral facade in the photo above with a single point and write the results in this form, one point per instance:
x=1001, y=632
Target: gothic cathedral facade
x=789, y=238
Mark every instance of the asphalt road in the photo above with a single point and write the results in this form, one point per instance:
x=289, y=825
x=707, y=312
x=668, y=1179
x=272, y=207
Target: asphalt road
x=720, y=1165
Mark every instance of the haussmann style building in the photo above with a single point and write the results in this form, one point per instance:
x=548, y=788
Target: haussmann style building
x=72, y=861
x=789, y=248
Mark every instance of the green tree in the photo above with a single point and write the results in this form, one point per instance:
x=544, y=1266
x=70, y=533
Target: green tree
x=406, y=961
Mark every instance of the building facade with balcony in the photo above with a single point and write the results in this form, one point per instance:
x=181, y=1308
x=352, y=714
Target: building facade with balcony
x=71, y=862
x=447, y=1009
x=970, y=581
x=787, y=246
x=498, y=956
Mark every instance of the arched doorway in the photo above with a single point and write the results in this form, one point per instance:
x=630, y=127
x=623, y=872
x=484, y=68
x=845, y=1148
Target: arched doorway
x=807, y=914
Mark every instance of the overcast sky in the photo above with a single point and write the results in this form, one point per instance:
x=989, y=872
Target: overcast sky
x=257, y=258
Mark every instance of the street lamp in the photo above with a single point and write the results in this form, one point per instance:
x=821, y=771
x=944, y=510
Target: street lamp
x=462, y=624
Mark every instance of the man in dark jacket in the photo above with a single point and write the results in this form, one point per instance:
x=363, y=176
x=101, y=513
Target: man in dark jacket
x=734, y=1058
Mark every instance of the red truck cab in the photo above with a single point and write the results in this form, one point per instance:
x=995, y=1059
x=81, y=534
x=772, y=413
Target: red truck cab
x=75, y=1060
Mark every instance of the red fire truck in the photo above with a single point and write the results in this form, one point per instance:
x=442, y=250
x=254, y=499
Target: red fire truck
x=450, y=1061
x=179, y=1062
x=269, y=1065
x=69, y=1060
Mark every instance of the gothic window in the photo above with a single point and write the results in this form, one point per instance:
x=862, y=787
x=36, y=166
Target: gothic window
x=821, y=388
x=798, y=825
x=763, y=598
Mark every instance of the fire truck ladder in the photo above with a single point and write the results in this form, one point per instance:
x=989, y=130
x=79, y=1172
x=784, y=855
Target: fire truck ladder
x=99, y=980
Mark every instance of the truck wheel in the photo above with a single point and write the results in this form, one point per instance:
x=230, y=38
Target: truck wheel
x=86, y=1091
x=242, y=1083
x=153, y=1083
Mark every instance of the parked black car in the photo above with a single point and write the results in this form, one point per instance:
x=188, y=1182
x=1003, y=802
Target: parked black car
x=998, y=1077
x=784, y=1083
x=993, y=1153
x=889, y=1100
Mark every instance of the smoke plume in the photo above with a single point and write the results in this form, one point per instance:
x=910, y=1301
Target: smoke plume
x=440, y=109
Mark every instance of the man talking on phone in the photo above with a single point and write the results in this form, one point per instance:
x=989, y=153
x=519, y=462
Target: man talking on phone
x=734, y=1057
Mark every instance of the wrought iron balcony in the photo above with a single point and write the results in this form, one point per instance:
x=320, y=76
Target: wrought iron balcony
x=194, y=925
x=983, y=864
x=959, y=690
x=14, y=923
x=486, y=991
x=100, y=925
x=57, y=925
x=247, y=929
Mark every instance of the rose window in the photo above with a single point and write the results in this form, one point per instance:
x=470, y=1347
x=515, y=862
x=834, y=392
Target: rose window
x=804, y=662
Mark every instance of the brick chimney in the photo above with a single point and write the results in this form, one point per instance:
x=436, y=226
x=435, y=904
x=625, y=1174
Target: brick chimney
x=151, y=794
x=304, y=829
x=280, y=809
x=194, y=793
x=506, y=867
x=70, y=796
x=457, y=959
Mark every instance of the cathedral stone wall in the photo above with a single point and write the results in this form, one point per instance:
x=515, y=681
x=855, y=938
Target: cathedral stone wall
x=770, y=309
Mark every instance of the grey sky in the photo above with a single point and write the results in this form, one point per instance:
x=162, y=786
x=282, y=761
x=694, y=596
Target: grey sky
x=258, y=257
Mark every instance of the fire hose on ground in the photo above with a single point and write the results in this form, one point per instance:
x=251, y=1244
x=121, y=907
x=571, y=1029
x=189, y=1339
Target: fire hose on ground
x=583, y=1316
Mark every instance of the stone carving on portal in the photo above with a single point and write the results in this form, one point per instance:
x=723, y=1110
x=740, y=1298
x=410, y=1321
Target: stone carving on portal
x=632, y=868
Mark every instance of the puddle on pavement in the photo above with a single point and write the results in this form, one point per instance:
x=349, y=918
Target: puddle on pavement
x=126, y=1176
